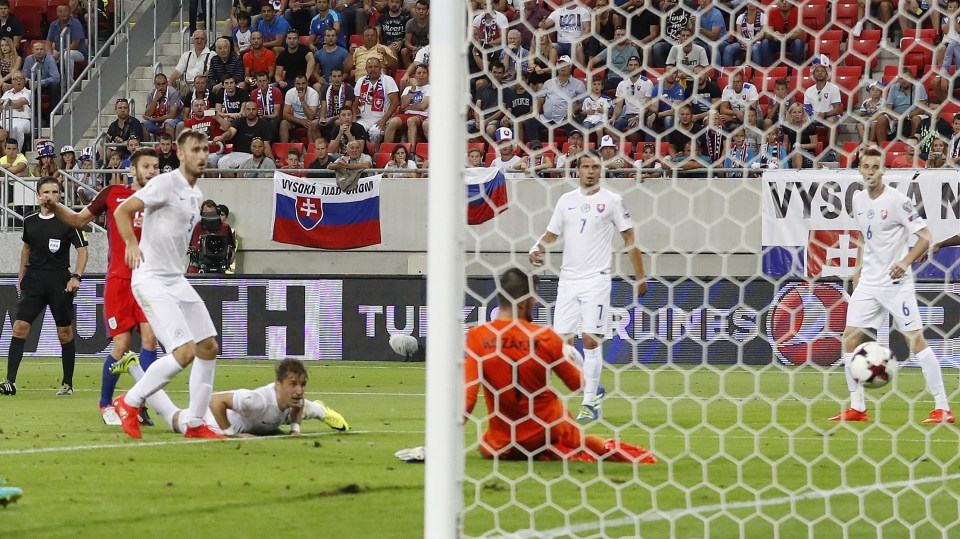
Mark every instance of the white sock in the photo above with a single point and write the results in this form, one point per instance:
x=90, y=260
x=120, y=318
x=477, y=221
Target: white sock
x=312, y=410
x=592, y=367
x=162, y=371
x=136, y=371
x=933, y=377
x=201, y=387
x=856, y=390
x=161, y=402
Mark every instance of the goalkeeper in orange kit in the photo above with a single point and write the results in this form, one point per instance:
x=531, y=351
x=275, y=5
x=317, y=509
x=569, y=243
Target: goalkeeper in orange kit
x=512, y=359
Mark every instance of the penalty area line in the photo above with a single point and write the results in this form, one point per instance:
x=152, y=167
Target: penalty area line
x=671, y=515
x=134, y=445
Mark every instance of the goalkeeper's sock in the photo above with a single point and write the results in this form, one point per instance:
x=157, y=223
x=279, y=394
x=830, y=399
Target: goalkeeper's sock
x=108, y=382
x=201, y=387
x=856, y=390
x=161, y=402
x=592, y=367
x=933, y=377
x=160, y=374
x=313, y=410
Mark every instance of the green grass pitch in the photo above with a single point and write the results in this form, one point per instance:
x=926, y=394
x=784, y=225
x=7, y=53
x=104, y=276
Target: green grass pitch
x=744, y=452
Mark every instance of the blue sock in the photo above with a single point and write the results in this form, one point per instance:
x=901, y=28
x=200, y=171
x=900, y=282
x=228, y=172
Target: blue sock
x=147, y=357
x=108, y=383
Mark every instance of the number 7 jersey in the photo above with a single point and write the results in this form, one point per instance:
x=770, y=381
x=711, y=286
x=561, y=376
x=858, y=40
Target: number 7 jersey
x=587, y=223
x=886, y=224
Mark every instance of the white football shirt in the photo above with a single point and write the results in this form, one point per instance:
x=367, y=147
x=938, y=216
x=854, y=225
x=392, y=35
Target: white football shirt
x=739, y=101
x=635, y=94
x=822, y=100
x=586, y=224
x=256, y=411
x=171, y=212
x=509, y=172
x=886, y=224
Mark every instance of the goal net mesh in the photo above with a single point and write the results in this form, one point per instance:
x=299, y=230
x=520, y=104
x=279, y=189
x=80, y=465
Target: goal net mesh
x=729, y=366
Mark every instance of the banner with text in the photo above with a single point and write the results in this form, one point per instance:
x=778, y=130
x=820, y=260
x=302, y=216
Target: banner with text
x=316, y=213
x=726, y=321
x=808, y=228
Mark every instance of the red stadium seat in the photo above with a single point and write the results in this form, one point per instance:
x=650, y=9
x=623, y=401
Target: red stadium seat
x=928, y=35
x=565, y=147
x=280, y=150
x=948, y=109
x=814, y=16
x=825, y=46
x=479, y=145
x=356, y=39
x=864, y=51
x=848, y=154
x=655, y=74
x=828, y=35
x=891, y=72
x=308, y=158
x=845, y=14
x=30, y=13
x=380, y=160
x=487, y=159
x=423, y=150
x=916, y=52
x=387, y=147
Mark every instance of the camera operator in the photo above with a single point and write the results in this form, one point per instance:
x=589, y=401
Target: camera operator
x=224, y=213
x=218, y=238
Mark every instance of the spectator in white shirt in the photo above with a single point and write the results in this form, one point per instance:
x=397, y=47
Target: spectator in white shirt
x=573, y=26
x=737, y=97
x=16, y=107
x=300, y=106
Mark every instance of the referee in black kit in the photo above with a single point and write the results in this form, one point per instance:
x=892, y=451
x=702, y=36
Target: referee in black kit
x=45, y=280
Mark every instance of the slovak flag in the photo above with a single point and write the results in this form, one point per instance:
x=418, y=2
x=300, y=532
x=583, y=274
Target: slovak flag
x=314, y=212
x=486, y=194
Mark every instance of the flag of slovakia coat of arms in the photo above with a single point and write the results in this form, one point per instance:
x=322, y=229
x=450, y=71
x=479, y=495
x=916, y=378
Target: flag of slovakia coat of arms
x=314, y=212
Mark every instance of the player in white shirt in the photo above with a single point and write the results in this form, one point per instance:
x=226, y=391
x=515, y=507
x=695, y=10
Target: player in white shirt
x=883, y=283
x=587, y=219
x=256, y=412
x=737, y=97
x=171, y=209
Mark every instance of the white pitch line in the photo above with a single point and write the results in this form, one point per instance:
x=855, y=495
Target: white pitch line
x=656, y=516
x=134, y=445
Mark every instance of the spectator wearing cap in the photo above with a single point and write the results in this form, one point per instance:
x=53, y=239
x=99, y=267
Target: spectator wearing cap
x=688, y=55
x=610, y=154
x=16, y=108
x=822, y=100
x=13, y=160
x=88, y=182
x=76, y=39
x=560, y=98
x=162, y=113
x=574, y=150
x=737, y=97
x=68, y=162
x=746, y=36
x=633, y=98
x=49, y=73
x=258, y=162
x=870, y=109
x=46, y=161
x=242, y=133
x=572, y=22
x=615, y=58
x=784, y=31
x=905, y=100
x=506, y=159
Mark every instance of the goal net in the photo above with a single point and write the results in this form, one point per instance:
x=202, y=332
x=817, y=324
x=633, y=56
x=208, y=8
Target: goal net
x=728, y=368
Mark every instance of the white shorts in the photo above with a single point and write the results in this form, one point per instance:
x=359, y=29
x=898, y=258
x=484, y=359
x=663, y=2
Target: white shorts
x=869, y=305
x=174, y=310
x=583, y=300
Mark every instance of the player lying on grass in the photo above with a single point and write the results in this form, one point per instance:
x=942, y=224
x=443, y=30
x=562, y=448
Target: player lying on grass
x=256, y=412
x=512, y=358
x=8, y=495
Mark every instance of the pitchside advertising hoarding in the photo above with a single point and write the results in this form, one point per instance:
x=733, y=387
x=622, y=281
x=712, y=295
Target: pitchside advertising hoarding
x=717, y=321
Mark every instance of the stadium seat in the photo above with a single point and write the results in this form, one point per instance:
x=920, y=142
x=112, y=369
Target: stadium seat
x=479, y=145
x=308, y=158
x=381, y=159
x=356, y=39
x=849, y=84
x=864, y=51
x=814, y=15
x=280, y=150
x=845, y=14
x=916, y=52
x=487, y=159
x=891, y=72
x=565, y=147
x=948, y=109
x=829, y=35
x=387, y=147
x=423, y=150
x=30, y=13
x=399, y=74
x=928, y=35
x=825, y=46
x=655, y=73
x=849, y=153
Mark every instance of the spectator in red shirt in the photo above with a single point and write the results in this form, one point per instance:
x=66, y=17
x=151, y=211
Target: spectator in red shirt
x=784, y=31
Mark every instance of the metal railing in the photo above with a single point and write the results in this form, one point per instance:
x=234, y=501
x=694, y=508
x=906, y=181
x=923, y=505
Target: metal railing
x=209, y=24
x=36, y=108
x=119, y=37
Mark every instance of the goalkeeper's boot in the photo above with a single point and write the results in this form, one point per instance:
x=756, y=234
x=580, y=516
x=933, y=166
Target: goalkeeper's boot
x=333, y=418
x=144, y=417
x=122, y=365
x=8, y=388
x=9, y=495
x=851, y=415
x=939, y=416
x=129, y=418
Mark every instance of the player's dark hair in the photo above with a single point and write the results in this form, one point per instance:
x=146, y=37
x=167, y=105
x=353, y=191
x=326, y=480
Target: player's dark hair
x=291, y=366
x=515, y=285
x=47, y=179
x=166, y=136
x=585, y=153
x=140, y=153
x=192, y=134
x=870, y=151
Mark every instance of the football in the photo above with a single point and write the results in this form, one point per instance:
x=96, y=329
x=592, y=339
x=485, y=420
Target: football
x=872, y=365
